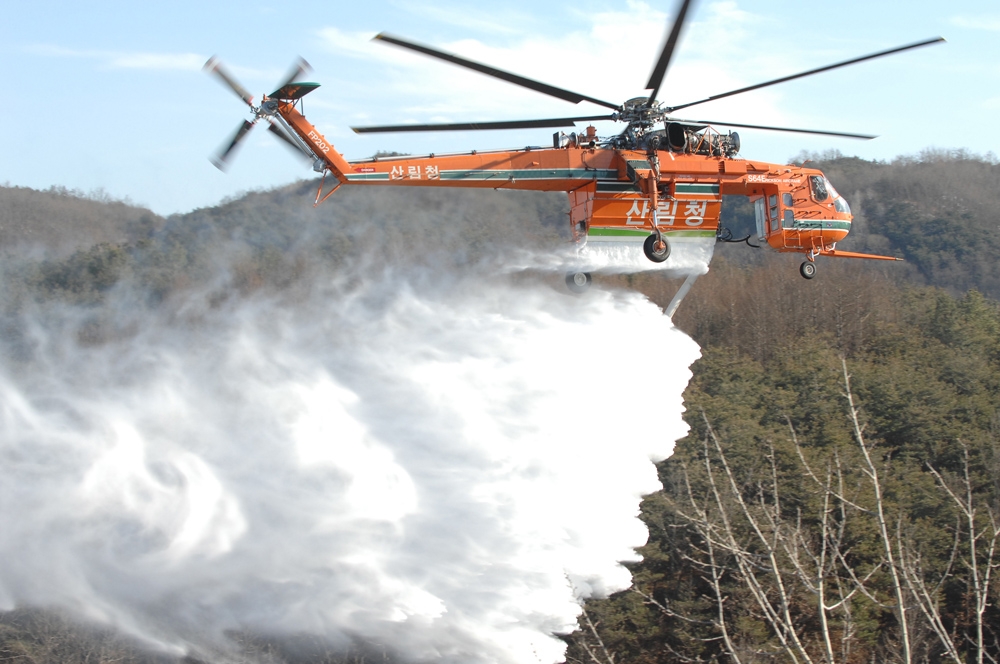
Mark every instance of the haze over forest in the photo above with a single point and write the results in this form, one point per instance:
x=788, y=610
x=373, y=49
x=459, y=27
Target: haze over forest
x=770, y=505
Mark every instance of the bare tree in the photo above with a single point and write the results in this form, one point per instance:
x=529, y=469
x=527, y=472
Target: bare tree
x=976, y=534
x=780, y=561
x=886, y=540
x=795, y=563
x=593, y=644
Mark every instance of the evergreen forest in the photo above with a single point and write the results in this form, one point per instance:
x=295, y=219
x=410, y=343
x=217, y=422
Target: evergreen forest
x=838, y=497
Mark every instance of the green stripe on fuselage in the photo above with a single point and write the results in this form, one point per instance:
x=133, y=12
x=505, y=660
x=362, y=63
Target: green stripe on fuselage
x=696, y=188
x=820, y=225
x=643, y=232
x=506, y=174
x=362, y=177
x=529, y=174
x=618, y=187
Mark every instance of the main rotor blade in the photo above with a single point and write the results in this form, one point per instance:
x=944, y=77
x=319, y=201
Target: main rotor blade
x=273, y=127
x=797, y=131
x=660, y=68
x=537, y=86
x=871, y=56
x=300, y=67
x=478, y=126
x=219, y=161
x=214, y=67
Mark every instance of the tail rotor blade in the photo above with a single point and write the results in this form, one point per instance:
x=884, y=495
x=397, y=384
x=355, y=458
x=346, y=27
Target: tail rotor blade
x=215, y=68
x=220, y=160
x=280, y=133
x=300, y=67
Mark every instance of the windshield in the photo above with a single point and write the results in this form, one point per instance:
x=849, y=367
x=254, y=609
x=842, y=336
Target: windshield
x=819, y=188
x=838, y=201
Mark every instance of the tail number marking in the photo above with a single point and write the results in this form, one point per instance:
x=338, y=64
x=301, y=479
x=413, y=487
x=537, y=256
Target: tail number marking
x=323, y=147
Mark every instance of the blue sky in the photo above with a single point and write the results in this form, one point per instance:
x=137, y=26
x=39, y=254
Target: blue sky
x=110, y=95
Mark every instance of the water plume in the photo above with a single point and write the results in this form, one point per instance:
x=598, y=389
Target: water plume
x=443, y=468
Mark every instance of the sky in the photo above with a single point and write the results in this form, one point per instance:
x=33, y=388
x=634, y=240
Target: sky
x=109, y=97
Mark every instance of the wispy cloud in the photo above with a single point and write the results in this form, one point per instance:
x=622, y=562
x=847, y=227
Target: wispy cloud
x=990, y=23
x=167, y=61
x=351, y=43
x=126, y=59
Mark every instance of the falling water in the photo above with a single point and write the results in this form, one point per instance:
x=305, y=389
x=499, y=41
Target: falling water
x=441, y=468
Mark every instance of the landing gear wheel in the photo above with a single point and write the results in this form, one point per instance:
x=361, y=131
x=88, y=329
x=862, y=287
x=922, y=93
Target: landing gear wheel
x=807, y=270
x=654, y=253
x=578, y=282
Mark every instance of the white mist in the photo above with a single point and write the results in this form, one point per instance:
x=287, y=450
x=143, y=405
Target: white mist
x=444, y=471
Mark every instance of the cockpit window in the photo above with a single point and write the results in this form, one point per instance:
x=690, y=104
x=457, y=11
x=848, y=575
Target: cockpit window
x=841, y=205
x=819, y=189
x=829, y=188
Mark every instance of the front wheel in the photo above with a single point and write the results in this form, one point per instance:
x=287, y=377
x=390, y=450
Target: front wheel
x=807, y=270
x=578, y=282
x=656, y=248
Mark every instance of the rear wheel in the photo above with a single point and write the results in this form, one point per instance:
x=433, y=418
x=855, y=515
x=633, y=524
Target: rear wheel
x=656, y=248
x=578, y=282
x=807, y=270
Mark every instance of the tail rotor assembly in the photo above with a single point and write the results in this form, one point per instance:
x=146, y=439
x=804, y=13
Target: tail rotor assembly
x=267, y=110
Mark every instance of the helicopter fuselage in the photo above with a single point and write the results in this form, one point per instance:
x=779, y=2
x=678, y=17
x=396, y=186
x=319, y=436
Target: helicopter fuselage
x=620, y=197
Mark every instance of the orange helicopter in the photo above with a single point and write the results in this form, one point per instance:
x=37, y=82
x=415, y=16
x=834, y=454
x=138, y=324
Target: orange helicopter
x=649, y=196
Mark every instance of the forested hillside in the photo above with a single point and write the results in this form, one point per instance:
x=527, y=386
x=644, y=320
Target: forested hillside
x=268, y=239
x=937, y=211
x=838, y=498
x=59, y=220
